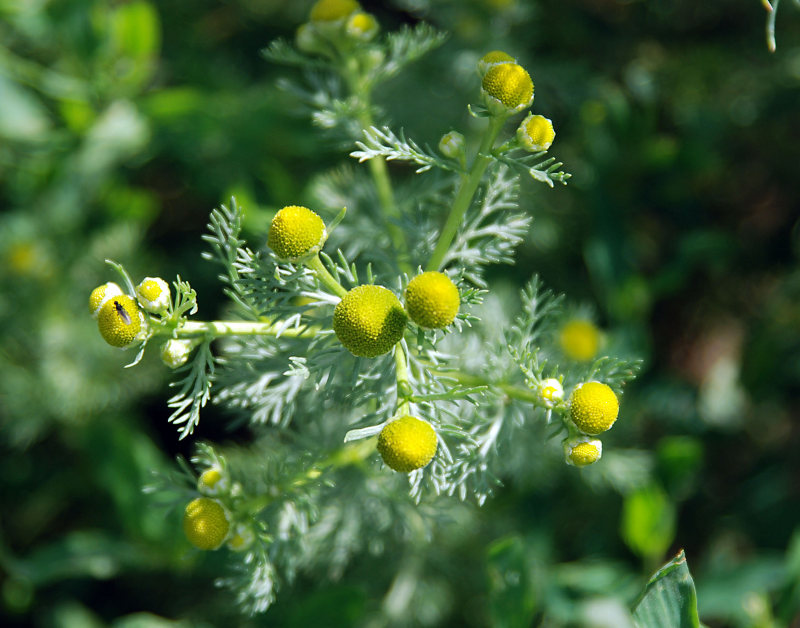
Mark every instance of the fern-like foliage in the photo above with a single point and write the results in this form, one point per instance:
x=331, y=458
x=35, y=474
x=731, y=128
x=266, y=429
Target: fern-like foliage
x=195, y=390
x=537, y=167
x=492, y=230
x=406, y=46
x=385, y=143
x=283, y=52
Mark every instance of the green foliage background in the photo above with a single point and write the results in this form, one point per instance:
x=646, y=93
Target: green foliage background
x=123, y=124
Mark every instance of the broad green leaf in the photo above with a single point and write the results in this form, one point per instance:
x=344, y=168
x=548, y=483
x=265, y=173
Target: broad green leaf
x=669, y=599
x=512, y=601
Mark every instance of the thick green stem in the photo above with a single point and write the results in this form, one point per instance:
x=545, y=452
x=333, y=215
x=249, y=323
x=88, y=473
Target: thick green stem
x=327, y=280
x=466, y=191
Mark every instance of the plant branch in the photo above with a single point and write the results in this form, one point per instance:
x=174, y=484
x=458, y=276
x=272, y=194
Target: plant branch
x=218, y=329
x=466, y=191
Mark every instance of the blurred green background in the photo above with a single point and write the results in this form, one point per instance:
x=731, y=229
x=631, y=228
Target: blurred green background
x=122, y=124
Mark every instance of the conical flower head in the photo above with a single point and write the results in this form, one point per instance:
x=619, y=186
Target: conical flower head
x=119, y=321
x=593, y=407
x=432, y=300
x=205, y=523
x=296, y=232
x=507, y=88
x=407, y=444
x=369, y=320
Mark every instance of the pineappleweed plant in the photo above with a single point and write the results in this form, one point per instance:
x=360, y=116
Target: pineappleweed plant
x=361, y=353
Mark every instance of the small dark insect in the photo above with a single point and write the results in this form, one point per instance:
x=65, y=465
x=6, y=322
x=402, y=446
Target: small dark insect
x=123, y=314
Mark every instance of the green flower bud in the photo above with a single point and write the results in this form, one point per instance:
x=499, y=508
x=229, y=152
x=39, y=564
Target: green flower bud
x=493, y=58
x=241, y=538
x=582, y=451
x=535, y=133
x=361, y=26
x=153, y=295
x=213, y=481
x=453, y=145
x=176, y=352
x=551, y=392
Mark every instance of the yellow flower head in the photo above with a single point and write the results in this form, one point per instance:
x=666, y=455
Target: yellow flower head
x=407, y=444
x=153, y=295
x=593, y=407
x=332, y=10
x=551, y=391
x=205, y=523
x=432, y=300
x=536, y=133
x=493, y=58
x=582, y=451
x=507, y=88
x=579, y=340
x=119, y=321
x=100, y=296
x=176, y=352
x=369, y=320
x=212, y=481
x=295, y=233
x=361, y=26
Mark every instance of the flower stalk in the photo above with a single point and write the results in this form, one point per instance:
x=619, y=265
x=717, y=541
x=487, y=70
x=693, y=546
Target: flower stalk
x=326, y=279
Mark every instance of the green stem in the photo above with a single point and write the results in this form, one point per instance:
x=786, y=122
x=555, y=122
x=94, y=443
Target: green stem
x=514, y=392
x=217, y=329
x=377, y=166
x=327, y=280
x=466, y=191
x=351, y=454
x=404, y=390
x=383, y=187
